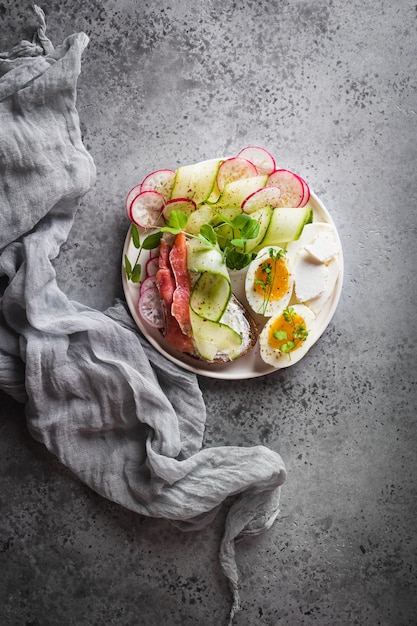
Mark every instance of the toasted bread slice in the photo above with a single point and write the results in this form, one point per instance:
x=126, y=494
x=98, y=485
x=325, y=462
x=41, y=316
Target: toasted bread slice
x=238, y=318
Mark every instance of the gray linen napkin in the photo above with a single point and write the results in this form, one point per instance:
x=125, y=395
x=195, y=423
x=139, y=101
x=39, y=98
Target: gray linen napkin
x=123, y=418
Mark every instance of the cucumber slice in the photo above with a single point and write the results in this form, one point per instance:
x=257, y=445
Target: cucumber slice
x=263, y=216
x=201, y=258
x=286, y=225
x=234, y=193
x=203, y=215
x=215, y=193
x=221, y=214
x=196, y=181
x=179, y=204
x=213, y=337
x=210, y=296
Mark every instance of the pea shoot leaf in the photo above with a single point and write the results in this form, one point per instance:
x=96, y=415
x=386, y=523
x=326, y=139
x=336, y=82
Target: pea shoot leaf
x=251, y=229
x=236, y=260
x=136, y=273
x=152, y=241
x=240, y=220
x=208, y=235
x=238, y=243
x=135, y=236
x=128, y=267
x=177, y=219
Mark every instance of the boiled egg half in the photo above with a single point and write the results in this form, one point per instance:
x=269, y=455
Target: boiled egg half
x=287, y=336
x=269, y=281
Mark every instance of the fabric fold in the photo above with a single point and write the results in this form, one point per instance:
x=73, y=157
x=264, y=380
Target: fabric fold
x=127, y=421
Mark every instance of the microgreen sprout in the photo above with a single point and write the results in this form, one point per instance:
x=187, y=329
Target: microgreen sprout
x=242, y=227
x=268, y=269
x=299, y=332
x=233, y=249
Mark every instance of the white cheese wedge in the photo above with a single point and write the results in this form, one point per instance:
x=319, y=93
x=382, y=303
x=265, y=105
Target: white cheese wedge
x=333, y=271
x=324, y=247
x=308, y=236
x=310, y=277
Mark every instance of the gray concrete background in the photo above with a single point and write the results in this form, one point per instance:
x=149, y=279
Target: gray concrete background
x=330, y=88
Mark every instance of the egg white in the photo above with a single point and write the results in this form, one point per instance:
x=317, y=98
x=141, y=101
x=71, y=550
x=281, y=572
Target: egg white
x=274, y=356
x=256, y=300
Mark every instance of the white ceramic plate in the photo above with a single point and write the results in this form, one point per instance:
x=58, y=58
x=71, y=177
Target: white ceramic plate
x=250, y=365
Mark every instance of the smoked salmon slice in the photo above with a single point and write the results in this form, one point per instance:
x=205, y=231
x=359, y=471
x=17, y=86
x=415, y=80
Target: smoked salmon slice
x=164, y=275
x=181, y=297
x=167, y=286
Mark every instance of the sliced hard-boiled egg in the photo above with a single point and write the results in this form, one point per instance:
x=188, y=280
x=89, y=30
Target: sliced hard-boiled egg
x=287, y=337
x=269, y=281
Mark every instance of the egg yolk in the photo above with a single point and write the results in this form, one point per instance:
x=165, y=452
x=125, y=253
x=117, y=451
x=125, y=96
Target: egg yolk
x=271, y=279
x=287, y=332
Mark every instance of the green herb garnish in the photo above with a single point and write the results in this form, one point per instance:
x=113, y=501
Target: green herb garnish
x=299, y=332
x=134, y=271
x=233, y=249
x=269, y=270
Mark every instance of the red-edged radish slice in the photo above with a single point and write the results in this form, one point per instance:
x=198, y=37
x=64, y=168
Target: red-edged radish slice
x=135, y=191
x=152, y=266
x=154, y=253
x=291, y=186
x=150, y=308
x=234, y=169
x=146, y=208
x=161, y=181
x=307, y=194
x=267, y=196
x=186, y=205
x=261, y=158
x=148, y=283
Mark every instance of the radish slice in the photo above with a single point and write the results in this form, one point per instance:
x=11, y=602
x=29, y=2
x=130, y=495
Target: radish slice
x=261, y=158
x=145, y=209
x=135, y=191
x=161, y=181
x=267, y=196
x=150, y=308
x=307, y=194
x=148, y=283
x=152, y=266
x=234, y=169
x=291, y=186
x=179, y=204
